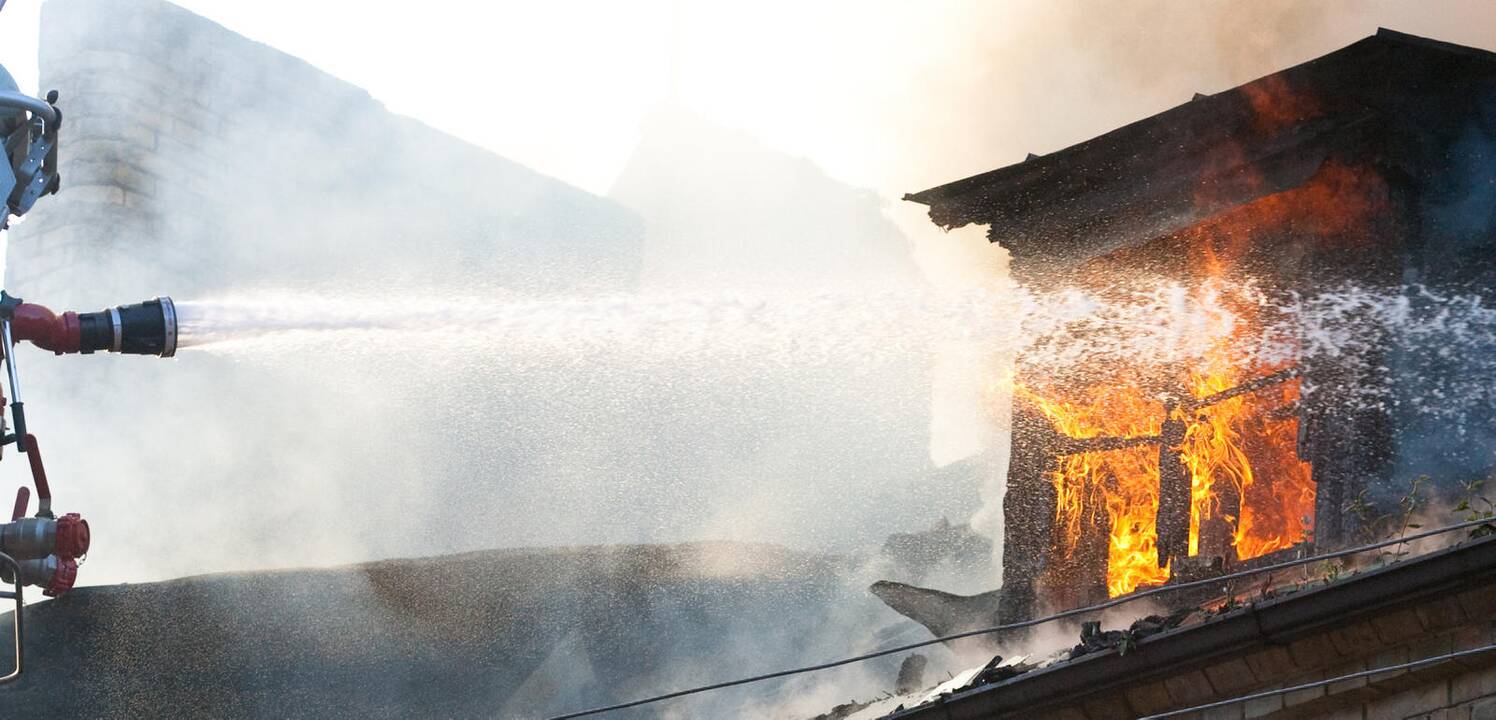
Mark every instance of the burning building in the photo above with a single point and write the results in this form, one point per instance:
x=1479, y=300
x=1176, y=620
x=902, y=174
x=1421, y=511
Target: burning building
x=1365, y=173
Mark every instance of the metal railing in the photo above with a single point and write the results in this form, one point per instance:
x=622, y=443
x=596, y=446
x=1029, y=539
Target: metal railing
x=35, y=106
x=9, y=565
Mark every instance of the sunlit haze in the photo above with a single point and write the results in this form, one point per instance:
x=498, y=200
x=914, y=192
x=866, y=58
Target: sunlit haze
x=893, y=96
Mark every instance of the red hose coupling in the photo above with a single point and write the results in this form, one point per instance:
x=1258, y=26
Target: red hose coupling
x=72, y=537
x=46, y=329
x=52, y=574
x=62, y=578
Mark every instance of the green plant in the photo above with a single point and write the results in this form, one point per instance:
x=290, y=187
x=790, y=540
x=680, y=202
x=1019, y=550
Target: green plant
x=1376, y=525
x=1409, y=504
x=1477, y=506
x=1371, y=521
x=1331, y=570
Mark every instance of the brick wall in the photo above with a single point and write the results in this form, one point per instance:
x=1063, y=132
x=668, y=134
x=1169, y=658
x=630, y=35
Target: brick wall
x=195, y=160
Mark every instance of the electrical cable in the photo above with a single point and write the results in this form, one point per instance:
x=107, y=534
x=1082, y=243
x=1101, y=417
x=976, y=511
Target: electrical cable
x=1162, y=589
x=1321, y=683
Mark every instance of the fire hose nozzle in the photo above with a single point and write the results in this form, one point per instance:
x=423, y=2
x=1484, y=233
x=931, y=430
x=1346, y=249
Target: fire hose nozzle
x=146, y=328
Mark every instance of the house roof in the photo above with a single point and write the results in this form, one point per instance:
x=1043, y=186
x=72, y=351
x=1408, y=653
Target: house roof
x=1165, y=172
x=1275, y=621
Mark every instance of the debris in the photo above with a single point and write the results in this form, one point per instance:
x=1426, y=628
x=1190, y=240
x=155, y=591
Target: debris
x=998, y=669
x=941, y=612
x=842, y=711
x=911, y=674
x=1094, y=639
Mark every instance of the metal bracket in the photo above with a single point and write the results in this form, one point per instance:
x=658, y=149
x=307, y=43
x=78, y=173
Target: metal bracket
x=7, y=179
x=35, y=174
x=7, y=345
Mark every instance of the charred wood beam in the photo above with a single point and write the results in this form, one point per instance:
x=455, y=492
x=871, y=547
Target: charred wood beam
x=1172, y=519
x=1070, y=446
x=1028, y=511
x=1218, y=532
x=1076, y=574
x=1244, y=388
x=1075, y=446
x=1088, y=572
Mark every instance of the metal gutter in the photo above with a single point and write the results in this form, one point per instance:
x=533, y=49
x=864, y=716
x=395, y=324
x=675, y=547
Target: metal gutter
x=1270, y=622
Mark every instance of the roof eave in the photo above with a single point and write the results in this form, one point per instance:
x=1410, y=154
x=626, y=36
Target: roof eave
x=1275, y=621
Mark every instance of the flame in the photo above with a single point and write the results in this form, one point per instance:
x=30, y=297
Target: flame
x=1122, y=482
x=1236, y=444
x=1276, y=105
x=1240, y=441
x=1241, y=452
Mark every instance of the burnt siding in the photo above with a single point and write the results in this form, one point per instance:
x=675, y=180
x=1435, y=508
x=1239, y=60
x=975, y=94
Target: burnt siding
x=1442, y=431
x=1140, y=181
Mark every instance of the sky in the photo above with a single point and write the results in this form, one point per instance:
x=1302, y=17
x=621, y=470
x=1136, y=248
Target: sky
x=893, y=96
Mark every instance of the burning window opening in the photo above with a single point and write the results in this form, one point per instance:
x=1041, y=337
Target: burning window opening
x=1238, y=490
x=1193, y=460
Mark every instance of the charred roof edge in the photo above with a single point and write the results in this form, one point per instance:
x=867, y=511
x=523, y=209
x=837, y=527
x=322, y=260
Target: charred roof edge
x=955, y=188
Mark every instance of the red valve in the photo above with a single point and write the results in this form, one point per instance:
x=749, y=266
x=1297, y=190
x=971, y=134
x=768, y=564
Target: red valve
x=23, y=498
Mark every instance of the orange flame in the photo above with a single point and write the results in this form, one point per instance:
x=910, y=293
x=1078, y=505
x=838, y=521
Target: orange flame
x=1123, y=482
x=1240, y=453
x=1236, y=443
x=1276, y=105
